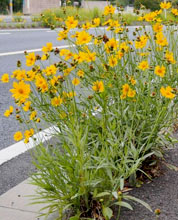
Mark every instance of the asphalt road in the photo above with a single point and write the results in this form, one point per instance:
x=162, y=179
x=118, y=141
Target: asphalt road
x=17, y=169
x=16, y=41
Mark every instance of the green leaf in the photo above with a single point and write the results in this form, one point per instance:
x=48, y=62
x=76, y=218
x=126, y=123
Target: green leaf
x=139, y=201
x=121, y=184
x=124, y=204
x=172, y=167
x=107, y=212
x=132, y=179
x=103, y=194
x=76, y=217
x=115, y=194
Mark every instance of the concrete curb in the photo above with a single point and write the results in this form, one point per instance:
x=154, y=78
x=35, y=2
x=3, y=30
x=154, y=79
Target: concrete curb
x=15, y=204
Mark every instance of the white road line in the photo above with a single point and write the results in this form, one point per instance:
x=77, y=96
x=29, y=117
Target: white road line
x=20, y=147
x=25, y=30
x=51, y=31
x=4, y=33
x=30, y=51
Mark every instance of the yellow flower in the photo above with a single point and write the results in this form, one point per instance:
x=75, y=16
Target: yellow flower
x=71, y=22
x=123, y=96
x=160, y=71
x=150, y=16
x=131, y=93
x=90, y=56
x=48, y=47
x=87, y=26
x=71, y=94
x=44, y=57
x=169, y=57
x=146, y=54
x=161, y=39
x=141, y=42
x=133, y=81
x=96, y=22
x=5, y=78
x=109, y=9
x=119, y=54
x=143, y=65
x=27, y=106
x=33, y=115
x=125, y=89
x=80, y=73
x=98, y=86
x=9, y=111
x=67, y=71
x=112, y=61
x=19, y=74
x=20, y=91
x=111, y=45
x=55, y=80
x=66, y=53
x=83, y=38
x=119, y=30
x=79, y=57
x=75, y=81
x=50, y=70
x=175, y=11
x=30, y=59
x=30, y=75
x=165, y=5
x=41, y=83
x=18, y=136
x=167, y=92
x=113, y=24
x=62, y=35
x=157, y=27
x=124, y=47
x=56, y=101
x=28, y=134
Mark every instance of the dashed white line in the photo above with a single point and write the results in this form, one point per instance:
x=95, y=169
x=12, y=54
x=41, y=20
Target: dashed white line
x=4, y=33
x=51, y=31
x=24, y=30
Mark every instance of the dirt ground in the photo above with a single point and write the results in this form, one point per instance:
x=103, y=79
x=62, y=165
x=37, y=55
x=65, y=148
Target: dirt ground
x=161, y=193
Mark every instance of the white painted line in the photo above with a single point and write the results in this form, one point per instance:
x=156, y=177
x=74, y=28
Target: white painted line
x=51, y=31
x=20, y=147
x=30, y=51
x=25, y=30
x=4, y=33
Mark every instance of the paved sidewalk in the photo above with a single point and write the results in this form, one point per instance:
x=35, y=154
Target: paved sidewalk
x=14, y=204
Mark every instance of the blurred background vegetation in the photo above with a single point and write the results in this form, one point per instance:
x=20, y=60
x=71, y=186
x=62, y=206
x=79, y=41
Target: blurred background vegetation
x=149, y=4
x=4, y=6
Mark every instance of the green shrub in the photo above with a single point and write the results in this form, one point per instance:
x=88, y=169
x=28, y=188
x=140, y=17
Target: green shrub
x=152, y=5
x=110, y=101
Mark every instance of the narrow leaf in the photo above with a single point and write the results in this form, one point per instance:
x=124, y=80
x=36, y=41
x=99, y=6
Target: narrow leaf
x=139, y=201
x=124, y=204
x=103, y=194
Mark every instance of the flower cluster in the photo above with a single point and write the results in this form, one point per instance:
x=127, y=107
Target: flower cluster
x=110, y=94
